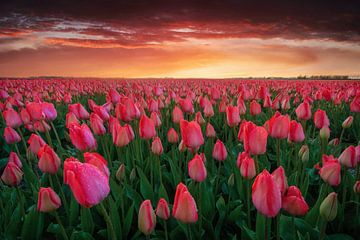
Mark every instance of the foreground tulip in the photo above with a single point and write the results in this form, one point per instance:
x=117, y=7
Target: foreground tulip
x=330, y=171
x=184, y=208
x=79, y=111
x=98, y=161
x=197, y=169
x=11, y=136
x=255, y=139
x=82, y=137
x=146, y=218
x=280, y=179
x=191, y=134
x=12, y=174
x=49, y=111
x=49, y=161
x=321, y=119
x=219, y=151
x=294, y=203
x=348, y=157
x=12, y=118
x=48, y=200
x=232, y=116
x=266, y=195
x=146, y=128
x=97, y=124
x=88, y=184
x=246, y=165
x=296, y=132
x=279, y=126
x=328, y=208
x=303, y=111
x=162, y=209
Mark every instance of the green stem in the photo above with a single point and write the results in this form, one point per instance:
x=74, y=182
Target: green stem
x=22, y=139
x=218, y=178
x=62, y=229
x=293, y=227
x=256, y=159
x=357, y=175
x=199, y=206
x=267, y=228
x=248, y=200
x=166, y=231
x=278, y=226
x=62, y=195
x=278, y=152
x=108, y=221
x=189, y=232
x=49, y=139
x=20, y=198
x=341, y=135
x=159, y=165
x=323, y=230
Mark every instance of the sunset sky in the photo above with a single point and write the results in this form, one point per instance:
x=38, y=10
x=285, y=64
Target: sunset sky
x=212, y=39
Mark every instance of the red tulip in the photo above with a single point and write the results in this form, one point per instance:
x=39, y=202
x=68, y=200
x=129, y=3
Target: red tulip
x=184, y=208
x=232, y=116
x=177, y=115
x=88, y=184
x=219, y=151
x=12, y=118
x=156, y=146
x=241, y=106
x=296, y=132
x=71, y=119
x=79, y=111
x=120, y=135
x=49, y=111
x=355, y=104
x=255, y=108
x=41, y=126
x=197, y=169
x=294, y=203
x=199, y=118
x=279, y=126
x=35, y=111
x=82, y=137
x=147, y=128
x=98, y=161
x=191, y=134
x=97, y=124
x=266, y=195
x=48, y=200
x=255, y=139
x=348, y=157
x=101, y=112
x=11, y=136
x=49, y=161
x=186, y=105
x=156, y=119
x=348, y=122
x=303, y=111
x=208, y=110
x=113, y=96
x=280, y=179
x=246, y=165
x=330, y=171
x=210, y=131
x=321, y=119
x=35, y=143
x=162, y=209
x=25, y=116
x=146, y=218
x=12, y=174
x=172, y=136
x=13, y=157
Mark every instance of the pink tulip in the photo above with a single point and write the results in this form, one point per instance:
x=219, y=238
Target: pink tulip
x=210, y=131
x=98, y=161
x=97, y=124
x=48, y=200
x=156, y=146
x=82, y=137
x=184, y=208
x=321, y=119
x=219, y=151
x=162, y=209
x=232, y=116
x=255, y=108
x=296, y=132
x=303, y=111
x=294, y=203
x=191, y=134
x=348, y=157
x=13, y=157
x=35, y=143
x=280, y=179
x=11, y=136
x=279, y=126
x=12, y=174
x=330, y=171
x=147, y=128
x=146, y=218
x=49, y=161
x=197, y=169
x=172, y=136
x=12, y=118
x=255, y=139
x=246, y=165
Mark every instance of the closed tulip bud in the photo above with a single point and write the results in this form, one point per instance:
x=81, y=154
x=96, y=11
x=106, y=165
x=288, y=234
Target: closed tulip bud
x=304, y=153
x=246, y=165
x=120, y=135
x=11, y=136
x=101, y=112
x=177, y=115
x=321, y=119
x=184, y=208
x=79, y=111
x=348, y=157
x=328, y=208
x=98, y=161
x=219, y=151
x=186, y=105
x=348, y=122
x=12, y=118
x=232, y=116
x=97, y=124
x=255, y=108
x=324, y=133
x=82, y=137
x=303, y=111
x=334, y=142
x=357, y=187
x=162, y=209
x=197, y=169
x=132, y=175
x=88, y=184
x=266, y=195
x=49, y=161
x=208, y=110
x=279, y=126
x=120, y=173
x=231, y=180
x=25, y=116
x=191, y=134
x=255, y=139
x=330, y=172
x=199, y=118
x=48, y=200
x=296, y=133
x=294, y=203
x=156, y=146
x=280, y=179
x=71, y=119
x=35, y=143
x=146, y=218
x=146, y=128
x=156, y=119
x=12, y=174
x=210, y=131
x=172, y=136
x=182, y=146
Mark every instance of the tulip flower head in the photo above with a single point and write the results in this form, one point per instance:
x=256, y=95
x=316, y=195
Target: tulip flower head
x=48, y=200
x=146, y=218
x=184, y=208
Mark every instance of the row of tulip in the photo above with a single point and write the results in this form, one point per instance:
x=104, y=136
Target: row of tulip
x=85, y=159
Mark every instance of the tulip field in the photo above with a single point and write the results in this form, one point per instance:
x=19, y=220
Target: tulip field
x=179, y=159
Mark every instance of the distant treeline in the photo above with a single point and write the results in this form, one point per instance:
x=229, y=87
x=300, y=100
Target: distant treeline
x=325, y=77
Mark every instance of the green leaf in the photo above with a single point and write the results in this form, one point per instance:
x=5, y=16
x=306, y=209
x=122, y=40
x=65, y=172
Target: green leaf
x=33, y=225
x=163, y=193
x=11, y=231
x=134, y=196
x=128, y=221
x=74, y=211
x=87, y=223
x=220, y=205
x=339, y=236
x=81, y=236
x=114, y=216
x=145, y=187
x=262, y=222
